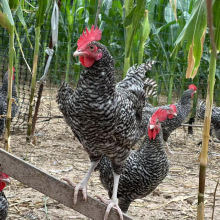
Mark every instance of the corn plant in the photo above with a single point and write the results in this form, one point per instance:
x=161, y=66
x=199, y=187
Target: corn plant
x=194, y=33
x=6, y=21
x=40, y=15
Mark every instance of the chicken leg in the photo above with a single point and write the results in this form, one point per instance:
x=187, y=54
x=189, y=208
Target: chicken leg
x=83, y=184
x=114, y=201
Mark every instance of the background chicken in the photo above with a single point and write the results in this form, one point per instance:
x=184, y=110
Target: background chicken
x=144, y=169
x=183, y=106
x=105, y=117
x=4, y=179
x=215, y=118
x=3, y=101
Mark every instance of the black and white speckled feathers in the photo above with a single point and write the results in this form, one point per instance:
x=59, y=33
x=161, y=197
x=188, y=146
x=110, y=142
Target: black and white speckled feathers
x=105, y=117
x=143, y=171
x=215, y=118
x=3, y=206
x=3, y=101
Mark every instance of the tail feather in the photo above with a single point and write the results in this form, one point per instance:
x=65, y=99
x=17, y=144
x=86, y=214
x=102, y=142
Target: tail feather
x=201, y=109
x=140, y=70
x=151, y=87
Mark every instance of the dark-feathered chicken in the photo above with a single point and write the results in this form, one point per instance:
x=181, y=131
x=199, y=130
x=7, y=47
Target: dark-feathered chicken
x=144, y=169
x=172, y=123
x=215, y=118
x=3, y=102
x=4, y=179
x=105, y=117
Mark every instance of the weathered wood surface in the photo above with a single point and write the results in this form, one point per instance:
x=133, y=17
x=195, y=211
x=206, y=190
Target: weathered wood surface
x=52, y=187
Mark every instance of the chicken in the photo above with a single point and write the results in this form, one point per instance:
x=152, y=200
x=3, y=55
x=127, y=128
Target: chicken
x=172, y=123
x=105, y=117
x=4, y=179
x=215, y=118
x=3, y=101
x=144, y=169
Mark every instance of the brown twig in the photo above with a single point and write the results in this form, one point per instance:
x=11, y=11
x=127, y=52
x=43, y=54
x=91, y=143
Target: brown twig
x=40, y=91
x=213, y=208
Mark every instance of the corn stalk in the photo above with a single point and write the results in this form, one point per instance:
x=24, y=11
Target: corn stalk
x=7, y=22
x=9, y=96
x=33, y=81
x=39, y=22
x=128, y=5
x=144, y=34
x=213, y=19
x=133, y=15
x=205, y=139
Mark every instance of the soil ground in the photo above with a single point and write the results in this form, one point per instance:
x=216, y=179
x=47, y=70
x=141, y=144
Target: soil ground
x=58, y=153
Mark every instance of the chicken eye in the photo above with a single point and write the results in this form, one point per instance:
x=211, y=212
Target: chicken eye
x=92, y=48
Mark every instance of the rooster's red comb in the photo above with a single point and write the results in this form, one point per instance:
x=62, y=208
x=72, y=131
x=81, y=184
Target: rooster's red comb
x=13, y=69
x=94, y=35
x=192, y=86
x=160, y=114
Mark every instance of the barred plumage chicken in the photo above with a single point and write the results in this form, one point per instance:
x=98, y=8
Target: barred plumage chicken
x=183, y=106
x=105, y=117
x=3, y=101
x=144, y=169
x=4, y=179
x=215, y=118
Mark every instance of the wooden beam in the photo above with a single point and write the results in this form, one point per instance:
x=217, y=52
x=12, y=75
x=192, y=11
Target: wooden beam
x=52, y=187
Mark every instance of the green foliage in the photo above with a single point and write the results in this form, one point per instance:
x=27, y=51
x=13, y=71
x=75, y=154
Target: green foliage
x=6, y=19
x=197, y=25
x=41, y=12
x=216, y=23
x=13, y=4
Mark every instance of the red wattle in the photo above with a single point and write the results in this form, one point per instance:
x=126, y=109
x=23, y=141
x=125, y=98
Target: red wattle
x=2, y=186
x=87, y=62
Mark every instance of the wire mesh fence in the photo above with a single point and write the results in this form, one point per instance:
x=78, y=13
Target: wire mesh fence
x=74, y=16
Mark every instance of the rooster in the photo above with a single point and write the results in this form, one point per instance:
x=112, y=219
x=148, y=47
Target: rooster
x=183, y=107
x=215, y=118
x=3, y=101
x=144, y=169
x=105, y=117
x=4, y=179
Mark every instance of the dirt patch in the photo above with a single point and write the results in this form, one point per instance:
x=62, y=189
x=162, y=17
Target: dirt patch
x=58, y=153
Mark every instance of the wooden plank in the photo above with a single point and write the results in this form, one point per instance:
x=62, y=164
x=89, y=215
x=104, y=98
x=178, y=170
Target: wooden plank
x=52, y=187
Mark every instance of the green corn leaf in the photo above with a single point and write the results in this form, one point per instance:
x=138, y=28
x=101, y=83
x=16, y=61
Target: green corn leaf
x=5, y=23
x=194, y=34
x=40, y=16
x=216, y=23
x=21, y=18
x=173, y=6
x=13, y=4
x=7, y=11
x=144, y=34
x=137, y=16
x=129, y=18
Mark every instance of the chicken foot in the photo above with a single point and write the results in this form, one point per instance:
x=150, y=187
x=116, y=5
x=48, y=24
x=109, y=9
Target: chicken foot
x=114, y=201
x=83, y=184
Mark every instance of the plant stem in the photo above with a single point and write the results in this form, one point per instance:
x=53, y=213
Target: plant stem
x=9, y=95
x=128, y=5
x=68, y=58
x=33, y=81
x=205, y=140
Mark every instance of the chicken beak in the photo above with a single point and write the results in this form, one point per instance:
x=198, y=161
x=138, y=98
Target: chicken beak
x=175, y=114
x=6, y=180
x=152, y=127
x=78, y=53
